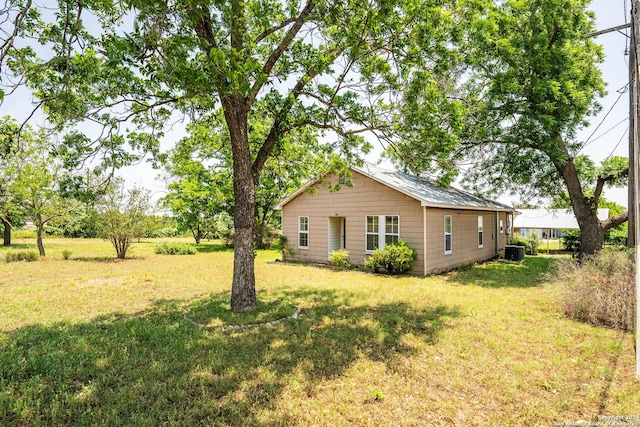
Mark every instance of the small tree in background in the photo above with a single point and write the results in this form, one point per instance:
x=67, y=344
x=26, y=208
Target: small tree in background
x=533, y=241
x=31, y=176
x=123, y=216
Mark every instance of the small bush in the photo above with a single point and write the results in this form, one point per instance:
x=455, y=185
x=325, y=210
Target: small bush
x=21, y=256
x=601, y=290
x=279, y=243
x=520, y=241
x=66, y=254
x=571, y=240
x=24, y=233
x=395, y=258
x=340, y=259
x=175, y=248
x=616, y=237
x=533, y=241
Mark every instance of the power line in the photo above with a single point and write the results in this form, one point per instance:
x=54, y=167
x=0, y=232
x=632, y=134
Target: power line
x=619, y=141
x=621, y=91
x=605, y=132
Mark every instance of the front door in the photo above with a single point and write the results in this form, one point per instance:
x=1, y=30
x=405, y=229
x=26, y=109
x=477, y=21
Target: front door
x=337, y=237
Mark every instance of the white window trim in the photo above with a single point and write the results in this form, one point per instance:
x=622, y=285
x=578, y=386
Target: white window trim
x=367, y=233
x=480, y=230
x=450, y=251
x=300, y=232
x=382, y=231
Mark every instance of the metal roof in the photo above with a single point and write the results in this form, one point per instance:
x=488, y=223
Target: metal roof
x=423, y=190
x=560, y=219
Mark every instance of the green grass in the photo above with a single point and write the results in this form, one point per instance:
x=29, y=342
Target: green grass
x=551, y=245
x=95, y=341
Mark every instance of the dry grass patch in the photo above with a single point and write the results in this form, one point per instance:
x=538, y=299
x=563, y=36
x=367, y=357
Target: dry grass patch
x=105, y=343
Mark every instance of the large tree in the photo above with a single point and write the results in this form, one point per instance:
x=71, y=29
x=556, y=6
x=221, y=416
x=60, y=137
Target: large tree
x=200, y=173
x=335, y=65
x=532, y=83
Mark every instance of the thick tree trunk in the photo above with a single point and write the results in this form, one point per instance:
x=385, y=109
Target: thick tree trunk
x=585, y=210
x=7, y=232
x=243, y=288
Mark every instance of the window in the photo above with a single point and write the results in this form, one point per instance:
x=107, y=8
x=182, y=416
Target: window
x=447, y=234
x=480, y=232
x=392, y=229
x=382, y=230
x=372, y=232
x=303, y=231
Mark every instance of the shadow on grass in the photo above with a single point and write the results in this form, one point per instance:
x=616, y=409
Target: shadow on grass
x=155, y=368
x=504, y=274
x=104, y=259
x=20, y=247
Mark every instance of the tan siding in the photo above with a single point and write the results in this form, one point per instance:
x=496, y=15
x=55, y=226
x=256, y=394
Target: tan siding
x=464, y=236
x=368, y=197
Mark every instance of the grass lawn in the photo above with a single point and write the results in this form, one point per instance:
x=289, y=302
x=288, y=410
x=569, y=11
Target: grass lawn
x=549, y=245
x=95, y=341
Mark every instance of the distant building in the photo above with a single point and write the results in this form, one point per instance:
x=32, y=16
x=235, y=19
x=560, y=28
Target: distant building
x=548, y=223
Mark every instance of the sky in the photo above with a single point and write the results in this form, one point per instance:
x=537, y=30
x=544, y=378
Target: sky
x=607, y=134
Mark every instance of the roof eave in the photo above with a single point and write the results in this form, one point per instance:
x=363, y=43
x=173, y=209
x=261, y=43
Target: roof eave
x=295, y=194
x=429, y=204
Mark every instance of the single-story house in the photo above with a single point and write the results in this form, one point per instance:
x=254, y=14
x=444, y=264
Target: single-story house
x=447, y=227
x=549, y=223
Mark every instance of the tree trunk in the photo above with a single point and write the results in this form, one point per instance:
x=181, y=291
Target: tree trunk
x=39, y=227
x=7, y=231
x=584, y=209
x=197, y=234
x=243, y=288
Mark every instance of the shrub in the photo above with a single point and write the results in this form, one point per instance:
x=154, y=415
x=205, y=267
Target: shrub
x=533, y=241
x=601, y=290
x=340, y=259
x=21, y=256
x=395, y=258
x=224, y=229
x=66, y=254
x=279, y=243
x=175, y=248
x=616, y=237
x=571, y=240
x=23, y=233
x=163, y=232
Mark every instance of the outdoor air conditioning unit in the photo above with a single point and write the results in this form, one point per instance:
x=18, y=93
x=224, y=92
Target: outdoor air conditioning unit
x=514, y=252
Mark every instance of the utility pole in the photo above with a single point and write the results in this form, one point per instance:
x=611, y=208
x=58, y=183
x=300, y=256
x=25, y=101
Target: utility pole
x=633, y=115
x=634, y=156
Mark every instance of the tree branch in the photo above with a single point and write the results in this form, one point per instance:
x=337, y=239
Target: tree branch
x=602, y=180
x=268, y=32
x=8, y=42
x=203, y=26
x=278, y=129
x=277, y=53
x=615, y=221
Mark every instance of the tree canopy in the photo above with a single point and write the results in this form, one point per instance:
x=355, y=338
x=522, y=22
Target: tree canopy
x=532, y=82
x=344, y=68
